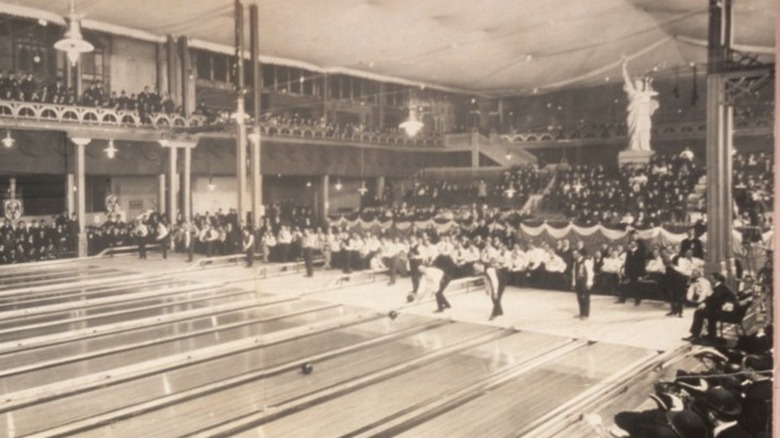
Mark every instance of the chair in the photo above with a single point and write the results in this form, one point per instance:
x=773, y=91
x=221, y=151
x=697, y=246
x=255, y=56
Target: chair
x=738, y=318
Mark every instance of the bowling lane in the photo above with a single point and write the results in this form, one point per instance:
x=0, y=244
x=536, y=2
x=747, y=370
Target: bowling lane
x=103, y=290
x=506, y=410
x=79, y=406
x=24, y=328
x=255, y=309
x=56, y=278
x=52, y=374
x=380, y=402
x=197, y=414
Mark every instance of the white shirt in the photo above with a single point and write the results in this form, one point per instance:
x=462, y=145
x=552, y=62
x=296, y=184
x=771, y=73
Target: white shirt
x=611, y=265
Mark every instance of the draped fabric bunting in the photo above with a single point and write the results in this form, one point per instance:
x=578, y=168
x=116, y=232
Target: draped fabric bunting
x=536, y=232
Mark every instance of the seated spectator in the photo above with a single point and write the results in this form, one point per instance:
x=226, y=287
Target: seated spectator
x=721, y=304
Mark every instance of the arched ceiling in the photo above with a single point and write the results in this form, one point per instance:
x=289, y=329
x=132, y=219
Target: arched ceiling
x=498, y=47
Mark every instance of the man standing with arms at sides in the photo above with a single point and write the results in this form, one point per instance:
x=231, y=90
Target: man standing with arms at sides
x=141, y=232
x=415, y=262
x=162, y=238
x=248, y=247
x=190, y=234
x=634, y=269
x=308, y=243
x=496, y=282
x=581, y=285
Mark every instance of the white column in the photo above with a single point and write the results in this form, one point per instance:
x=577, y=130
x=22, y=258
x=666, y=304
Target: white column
x=187, y=195
x=325, y=183
x=70, y=183
x=257, y=179
x=81, y=189
x=161, y=193
x=172, y=198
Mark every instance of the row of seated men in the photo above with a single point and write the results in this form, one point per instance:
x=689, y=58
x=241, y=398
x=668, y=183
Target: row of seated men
x=37, y=240
x=725, y=393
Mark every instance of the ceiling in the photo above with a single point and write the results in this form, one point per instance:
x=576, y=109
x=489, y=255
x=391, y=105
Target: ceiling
x=494, y=47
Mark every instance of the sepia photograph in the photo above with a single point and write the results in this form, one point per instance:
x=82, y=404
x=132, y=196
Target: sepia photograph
x=381, y=218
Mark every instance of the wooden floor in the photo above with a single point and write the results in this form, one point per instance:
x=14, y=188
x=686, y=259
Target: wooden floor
x=111, y=347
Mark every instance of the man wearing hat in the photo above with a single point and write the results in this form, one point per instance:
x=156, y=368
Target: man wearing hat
x=721, y=304
x=723, y=409
x=668, y=420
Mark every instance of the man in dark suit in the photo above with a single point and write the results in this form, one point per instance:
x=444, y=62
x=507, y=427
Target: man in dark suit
x=634, y=270
x=693, y=243
x=581, y=286
x=722, y=303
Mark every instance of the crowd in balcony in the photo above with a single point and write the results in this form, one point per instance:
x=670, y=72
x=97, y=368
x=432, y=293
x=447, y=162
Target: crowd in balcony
x=641, y=196
x=753, y=181
x=329, y=129
x=24, y=87
x=513, y=188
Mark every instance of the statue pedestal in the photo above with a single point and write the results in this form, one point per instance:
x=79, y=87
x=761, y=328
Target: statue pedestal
x=634, y=157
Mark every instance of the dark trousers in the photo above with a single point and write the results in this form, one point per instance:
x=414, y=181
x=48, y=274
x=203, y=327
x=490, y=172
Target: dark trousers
x=141, y=248
x=392, y=266
x=629, y=289
x=190, y=250
x=414, y=266
x=284, y=252
x=250, y=257
x=679, y=285
x=308, y=254
x=497, y=309
x=583, y=299
x=164, y=247
x=441, y=301
x=712, y=317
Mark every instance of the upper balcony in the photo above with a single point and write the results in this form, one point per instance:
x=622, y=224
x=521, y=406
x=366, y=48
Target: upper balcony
x=129, y=125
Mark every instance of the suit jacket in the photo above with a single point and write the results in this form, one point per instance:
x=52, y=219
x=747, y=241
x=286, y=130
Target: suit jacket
x=721, y=294
x=635, y=264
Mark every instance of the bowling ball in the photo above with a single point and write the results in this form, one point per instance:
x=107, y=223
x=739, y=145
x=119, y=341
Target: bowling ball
x=409, y=298
x=393, y=314
x=307, y=368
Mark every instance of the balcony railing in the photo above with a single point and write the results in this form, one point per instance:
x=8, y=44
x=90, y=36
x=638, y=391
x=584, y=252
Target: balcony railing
x=91, y=116
x=317, y=132
x=47, y=112
x=752, y=124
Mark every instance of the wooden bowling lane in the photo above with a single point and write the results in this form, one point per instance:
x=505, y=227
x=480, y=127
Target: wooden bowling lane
x=59, y=322
x=42, y=351
x=161, y=342
x=292, y=387
x=361, y=410
x=116, y=287
x=55, y=279
x=243, y=368
x=512, y=408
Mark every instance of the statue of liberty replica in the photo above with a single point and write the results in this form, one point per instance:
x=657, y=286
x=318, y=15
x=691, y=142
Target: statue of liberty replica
x=641, y=106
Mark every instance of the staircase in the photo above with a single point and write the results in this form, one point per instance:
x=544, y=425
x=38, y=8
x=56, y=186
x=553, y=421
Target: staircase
x=494, y=148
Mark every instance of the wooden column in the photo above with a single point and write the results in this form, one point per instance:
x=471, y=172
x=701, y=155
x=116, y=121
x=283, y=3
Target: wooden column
x=240, y=113
x=255, y=137
x=187, y=85
x=173, y=90
x=81, y=192
x=719, y=254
